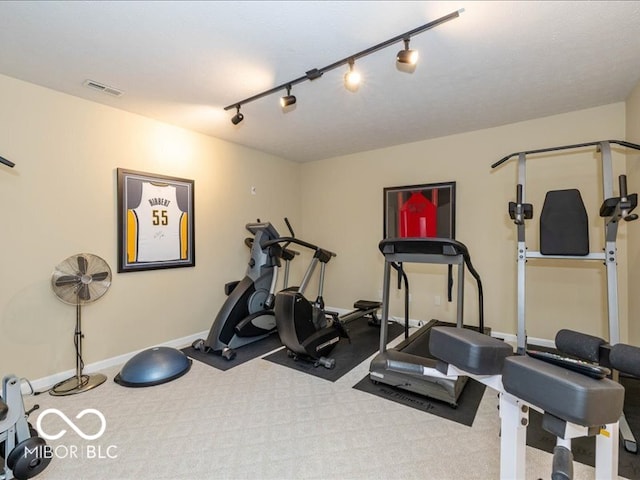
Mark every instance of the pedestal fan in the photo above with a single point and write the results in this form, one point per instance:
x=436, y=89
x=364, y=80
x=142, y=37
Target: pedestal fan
x=80, y=279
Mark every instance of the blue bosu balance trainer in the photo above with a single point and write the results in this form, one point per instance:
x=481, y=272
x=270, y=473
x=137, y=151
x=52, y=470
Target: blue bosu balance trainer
x=154, y=366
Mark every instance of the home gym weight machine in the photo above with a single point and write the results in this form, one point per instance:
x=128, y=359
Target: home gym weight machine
x=576, y=399
x=414, y=349
x=564, y=235
x=25, y=453
x=247, y=314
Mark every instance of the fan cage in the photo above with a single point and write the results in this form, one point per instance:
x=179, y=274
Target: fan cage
x=80, y=279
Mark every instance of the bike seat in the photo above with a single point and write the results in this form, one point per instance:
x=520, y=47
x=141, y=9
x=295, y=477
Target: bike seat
x=366, y=304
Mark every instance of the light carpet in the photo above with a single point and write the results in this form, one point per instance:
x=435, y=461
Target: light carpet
x=264, y=421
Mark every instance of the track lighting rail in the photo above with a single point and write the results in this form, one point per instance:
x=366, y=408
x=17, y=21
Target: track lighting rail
x=318, y=72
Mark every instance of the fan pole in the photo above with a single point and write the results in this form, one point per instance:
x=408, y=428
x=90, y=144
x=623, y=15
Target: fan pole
x=80, y=383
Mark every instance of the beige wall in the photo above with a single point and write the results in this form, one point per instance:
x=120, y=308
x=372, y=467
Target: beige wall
x=342, y=203
x=633, y=179
x=60, y=199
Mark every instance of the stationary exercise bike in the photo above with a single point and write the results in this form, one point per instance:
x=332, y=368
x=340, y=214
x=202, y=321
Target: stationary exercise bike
x=307, y=329
x=247, y=314
x=25, y=453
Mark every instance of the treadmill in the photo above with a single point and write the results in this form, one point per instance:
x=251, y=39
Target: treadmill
x=415, y=348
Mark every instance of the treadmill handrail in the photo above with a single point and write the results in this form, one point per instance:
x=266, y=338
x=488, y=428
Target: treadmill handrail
x=419, y=245
x=435, y=246
x=566, y=147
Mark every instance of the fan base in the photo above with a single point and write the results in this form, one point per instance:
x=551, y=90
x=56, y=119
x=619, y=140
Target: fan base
x=75, y=385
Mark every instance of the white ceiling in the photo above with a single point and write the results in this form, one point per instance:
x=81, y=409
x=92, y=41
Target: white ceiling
x=183, y=62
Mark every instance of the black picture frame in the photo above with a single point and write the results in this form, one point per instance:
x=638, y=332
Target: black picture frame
x=422, y=211
x=155, y=221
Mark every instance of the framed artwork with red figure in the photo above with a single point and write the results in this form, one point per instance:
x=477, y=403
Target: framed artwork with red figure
x=426, y=210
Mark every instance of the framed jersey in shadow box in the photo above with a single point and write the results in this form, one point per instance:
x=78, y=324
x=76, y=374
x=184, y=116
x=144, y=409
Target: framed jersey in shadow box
x=155, y=221
x=426, y=210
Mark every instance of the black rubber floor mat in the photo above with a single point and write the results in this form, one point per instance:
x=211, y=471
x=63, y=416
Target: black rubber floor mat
x=464, y=413
x=365, y=341
x=243, y=354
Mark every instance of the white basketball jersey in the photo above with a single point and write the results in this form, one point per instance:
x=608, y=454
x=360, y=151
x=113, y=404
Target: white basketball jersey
x=158, y=218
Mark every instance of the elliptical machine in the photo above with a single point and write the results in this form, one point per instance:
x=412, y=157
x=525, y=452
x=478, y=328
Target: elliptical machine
x=247, y=314
x=308, y=331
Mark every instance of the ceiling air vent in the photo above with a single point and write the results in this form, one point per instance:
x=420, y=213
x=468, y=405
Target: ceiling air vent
x=103, y=88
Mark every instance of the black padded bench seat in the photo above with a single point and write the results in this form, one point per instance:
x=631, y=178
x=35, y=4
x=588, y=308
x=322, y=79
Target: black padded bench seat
x=565, y=394
x=568, y=395
x=366, y=305
x=469, y=350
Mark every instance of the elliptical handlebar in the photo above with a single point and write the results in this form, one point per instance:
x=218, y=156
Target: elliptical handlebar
x=286, y=220
x=6, y=162
x=302, y=243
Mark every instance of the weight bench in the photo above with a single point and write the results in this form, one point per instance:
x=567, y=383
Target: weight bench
x=25, y=454
x=573, y=405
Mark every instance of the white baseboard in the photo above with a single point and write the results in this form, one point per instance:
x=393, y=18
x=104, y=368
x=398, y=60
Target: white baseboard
x=513, y=339
x=507, y=337
x=47, y=382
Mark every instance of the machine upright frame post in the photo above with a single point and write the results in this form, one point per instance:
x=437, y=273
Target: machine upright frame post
x=514, y=418
x=610, y=251
x=522, y=260
x=384, y=322
x=460, y=299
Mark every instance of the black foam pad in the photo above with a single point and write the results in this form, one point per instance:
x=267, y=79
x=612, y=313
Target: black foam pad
x=469, y=350
x=581, y=345
x=625, y=358
x=564, y=225
x=567, y=395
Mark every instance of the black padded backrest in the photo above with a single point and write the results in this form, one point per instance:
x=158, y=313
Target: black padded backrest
x=564, y=225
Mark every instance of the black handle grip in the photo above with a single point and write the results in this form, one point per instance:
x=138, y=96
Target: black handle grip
x=622, y=179
x=6, y=162
x=519, y=194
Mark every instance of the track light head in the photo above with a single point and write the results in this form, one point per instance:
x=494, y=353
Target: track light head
x=288, y=99
x=238, y=117
x=352, y=78
x=407, y=56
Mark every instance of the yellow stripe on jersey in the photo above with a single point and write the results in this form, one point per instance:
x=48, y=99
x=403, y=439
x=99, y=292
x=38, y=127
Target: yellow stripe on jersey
x=132, y=237
x=184, y=236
